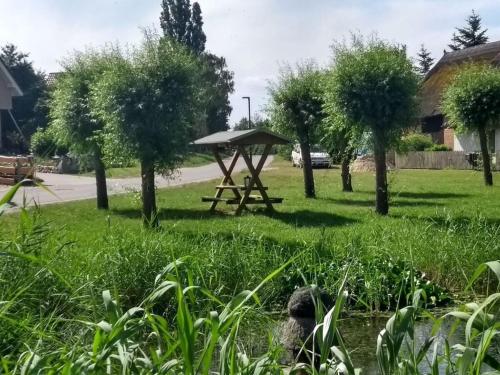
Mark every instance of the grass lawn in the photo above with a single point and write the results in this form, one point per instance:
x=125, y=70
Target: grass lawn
x=194, y=159
x=443, y=222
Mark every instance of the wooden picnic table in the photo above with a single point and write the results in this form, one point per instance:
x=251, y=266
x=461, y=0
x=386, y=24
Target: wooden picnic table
x=240, y=141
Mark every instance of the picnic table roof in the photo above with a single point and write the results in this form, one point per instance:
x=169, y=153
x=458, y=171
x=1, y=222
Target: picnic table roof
x=243, y=137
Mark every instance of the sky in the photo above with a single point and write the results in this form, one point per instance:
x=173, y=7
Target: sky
x=256, y=37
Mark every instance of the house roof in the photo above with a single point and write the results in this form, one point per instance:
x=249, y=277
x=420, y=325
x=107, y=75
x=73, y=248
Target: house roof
x=52, y=77
x=243, y=137
x=11, y=82
x=441, y=75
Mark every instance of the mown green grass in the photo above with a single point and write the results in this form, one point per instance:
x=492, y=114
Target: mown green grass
x=440, y=220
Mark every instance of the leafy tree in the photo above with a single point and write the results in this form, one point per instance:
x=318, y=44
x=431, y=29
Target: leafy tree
x=469, y=36
x=373, y=86
x=195, y=29
x=29, y=110
x=341, y=141
x=218, y=85
x=72, y=118
x=148, y=102
x=471, y=103
x=424, y=60
x=296, y=109
x=184, y=24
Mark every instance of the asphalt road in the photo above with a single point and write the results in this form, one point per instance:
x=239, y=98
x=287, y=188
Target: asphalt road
x=66, y=188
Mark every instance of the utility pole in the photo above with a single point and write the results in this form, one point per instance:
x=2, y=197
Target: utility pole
x=249, y=119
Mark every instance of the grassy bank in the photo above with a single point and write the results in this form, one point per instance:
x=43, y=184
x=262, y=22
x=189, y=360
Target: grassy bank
x=441, y=223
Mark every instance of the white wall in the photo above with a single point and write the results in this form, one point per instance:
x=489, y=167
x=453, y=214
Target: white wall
x=470, y=142
x=466, y=142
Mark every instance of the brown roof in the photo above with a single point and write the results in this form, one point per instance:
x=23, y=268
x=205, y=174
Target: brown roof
x=442, y=73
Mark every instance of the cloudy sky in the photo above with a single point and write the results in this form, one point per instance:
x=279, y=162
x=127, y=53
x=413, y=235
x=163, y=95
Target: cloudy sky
x=255, y=36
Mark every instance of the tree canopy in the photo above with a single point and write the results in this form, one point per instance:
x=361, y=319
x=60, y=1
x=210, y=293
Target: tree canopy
x=424, y=60
x=296, y=109
x=373, y=85
x=472, y=103
x=149, y=101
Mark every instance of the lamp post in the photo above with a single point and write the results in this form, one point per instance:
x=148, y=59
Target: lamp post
x=249, y=119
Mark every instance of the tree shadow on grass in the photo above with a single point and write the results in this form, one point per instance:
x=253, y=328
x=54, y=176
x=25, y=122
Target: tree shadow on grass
x=461, y=223
x=419, y=195
x=371, y=202
x=303, y=218
x=173, y=214
x=307, y=219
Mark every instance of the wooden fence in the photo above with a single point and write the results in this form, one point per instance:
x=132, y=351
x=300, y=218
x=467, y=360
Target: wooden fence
x=14, y=169
x=437, y=160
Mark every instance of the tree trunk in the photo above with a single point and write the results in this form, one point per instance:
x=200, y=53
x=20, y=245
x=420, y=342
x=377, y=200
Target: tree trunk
x=149, y=213
x=100, y=182
x=305, y=150
x=483, y=140
x=382, y=198
x=346, y=174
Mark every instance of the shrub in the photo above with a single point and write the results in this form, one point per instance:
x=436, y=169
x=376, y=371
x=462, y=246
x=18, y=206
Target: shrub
x=438, y=148
x=415, y=142
x=43, y=143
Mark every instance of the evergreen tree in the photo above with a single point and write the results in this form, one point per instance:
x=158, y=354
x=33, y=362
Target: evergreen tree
x=424, y=60
x=175, y=20
x=184, y=24
x=197, y=36
x=471, y=35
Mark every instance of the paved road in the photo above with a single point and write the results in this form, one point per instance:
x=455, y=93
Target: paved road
x=72, y=188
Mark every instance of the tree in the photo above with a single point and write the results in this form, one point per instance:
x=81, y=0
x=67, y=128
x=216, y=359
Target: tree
x=184, y=24
x=195, y=29
x=373, y=85
x=218, y=85
x=29, y=110
x=296, y=109
x=148, y=101
x=469, y=36
x=72, y=118
x=471, y=103
x=424, y=60
x=341, y=140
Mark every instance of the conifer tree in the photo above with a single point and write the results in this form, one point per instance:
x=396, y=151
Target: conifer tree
x=197, y=36
x=424, y=60
x=471, y=35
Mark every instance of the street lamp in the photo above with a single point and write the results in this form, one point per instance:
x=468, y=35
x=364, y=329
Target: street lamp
x=249, y=119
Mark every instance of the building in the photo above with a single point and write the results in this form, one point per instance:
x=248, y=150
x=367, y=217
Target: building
x=8, y=89
x=436, y=81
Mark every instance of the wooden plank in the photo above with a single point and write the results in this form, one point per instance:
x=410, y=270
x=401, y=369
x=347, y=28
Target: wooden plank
x=7, y=181
x=213, y=199
x=240, y=187
x=16, y=160
x=432, y=160
x=27, y=171
x=7, y=170
x=227, y=179
x=255, y=201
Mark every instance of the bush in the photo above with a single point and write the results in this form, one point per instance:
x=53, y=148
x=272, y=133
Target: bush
x=415, y=142
x=437, y=147
x=43, y=143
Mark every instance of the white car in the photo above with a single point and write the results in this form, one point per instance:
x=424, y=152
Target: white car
x=319, y=157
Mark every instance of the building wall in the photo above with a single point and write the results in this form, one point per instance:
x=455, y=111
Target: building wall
x=449, y=138
x=470, y=142
x=5, y=95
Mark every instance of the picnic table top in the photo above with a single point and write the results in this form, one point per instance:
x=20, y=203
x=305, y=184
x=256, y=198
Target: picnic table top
x=243, y=137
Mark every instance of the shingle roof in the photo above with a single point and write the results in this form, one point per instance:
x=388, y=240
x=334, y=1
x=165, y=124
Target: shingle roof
x=243, y=137
x=440, y=76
